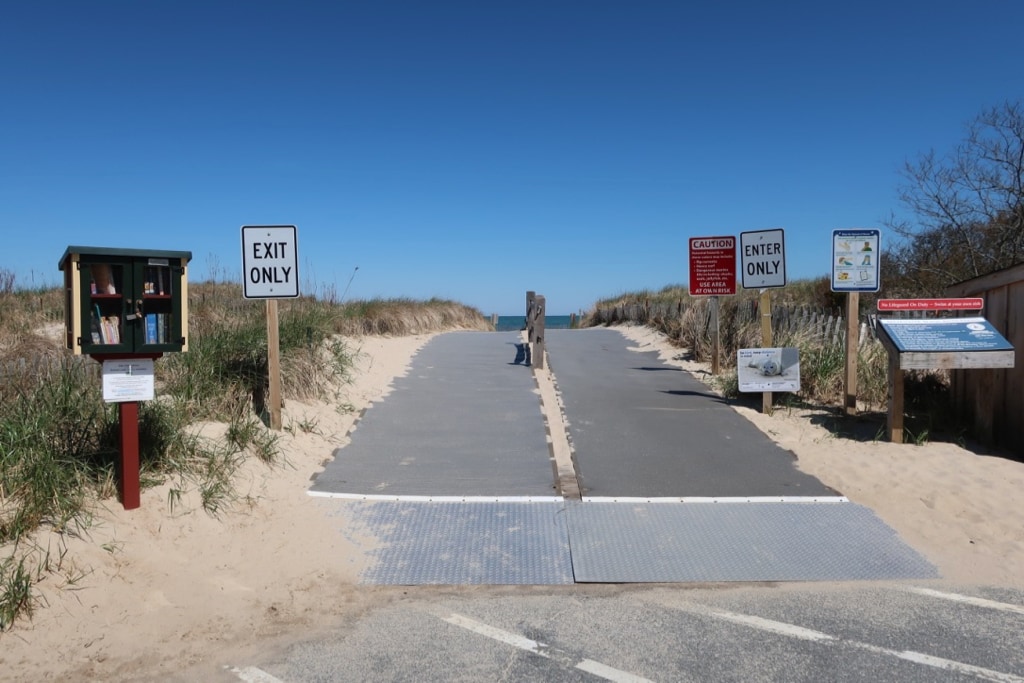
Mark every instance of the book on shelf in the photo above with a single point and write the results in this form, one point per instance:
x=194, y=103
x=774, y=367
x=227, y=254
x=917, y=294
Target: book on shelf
x=151, y=328
x=161, y=327
x=102, y=278
x=113, y=329
x=96, y=330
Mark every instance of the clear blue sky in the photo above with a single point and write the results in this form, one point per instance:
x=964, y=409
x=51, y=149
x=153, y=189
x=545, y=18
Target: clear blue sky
x=474, y=150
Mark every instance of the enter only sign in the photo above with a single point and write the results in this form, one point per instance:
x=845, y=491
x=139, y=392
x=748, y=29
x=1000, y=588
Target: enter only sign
x=763, y=259
x=270, y=261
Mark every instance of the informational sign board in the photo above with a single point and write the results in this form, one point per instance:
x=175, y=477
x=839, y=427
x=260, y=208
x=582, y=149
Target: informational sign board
x=855, y=257
x=712, y=266
x=944, y=334
x=270, y=261
x=763, y=259
x=968, y=304
x=128, y=380
x=768, y=369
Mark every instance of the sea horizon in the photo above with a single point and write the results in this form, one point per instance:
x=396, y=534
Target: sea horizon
x=511, y=323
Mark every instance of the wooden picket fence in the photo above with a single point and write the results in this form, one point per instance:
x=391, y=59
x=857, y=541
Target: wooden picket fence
x=825, y=326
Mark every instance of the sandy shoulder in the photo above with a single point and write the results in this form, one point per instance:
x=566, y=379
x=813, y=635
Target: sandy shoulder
x=182, y=582
x=959, y=509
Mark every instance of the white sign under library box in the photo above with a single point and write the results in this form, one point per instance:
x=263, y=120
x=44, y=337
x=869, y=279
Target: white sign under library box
x=270, y=261
x=768, y=369
x=128, y=380
x=763, y=258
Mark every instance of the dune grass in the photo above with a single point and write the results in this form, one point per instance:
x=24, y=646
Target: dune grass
x=685, y=320
x=59, y=440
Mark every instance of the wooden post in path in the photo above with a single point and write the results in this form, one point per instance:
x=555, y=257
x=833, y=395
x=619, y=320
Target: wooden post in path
x=766, y=341
x=529, y=315
x=852, y=344
x=716, y=340
x=273, y=365
x=539, y=310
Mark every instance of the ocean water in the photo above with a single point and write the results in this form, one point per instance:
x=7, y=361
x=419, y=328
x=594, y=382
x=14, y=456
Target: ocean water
x=510, y=323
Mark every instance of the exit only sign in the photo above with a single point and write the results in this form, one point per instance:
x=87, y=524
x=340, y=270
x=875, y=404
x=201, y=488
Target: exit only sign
x=270, y=262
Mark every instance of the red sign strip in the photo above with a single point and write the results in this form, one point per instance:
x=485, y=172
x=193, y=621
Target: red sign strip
x=969, y=304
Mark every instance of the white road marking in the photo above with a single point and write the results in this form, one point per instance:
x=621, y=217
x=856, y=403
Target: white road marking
x=697, y=499
x=968, y=600
x=778, y=627
x=792, y=631
x=523, y=643
x=513, y=639
x=251, y=674
x=437, y=499
x=609, y=673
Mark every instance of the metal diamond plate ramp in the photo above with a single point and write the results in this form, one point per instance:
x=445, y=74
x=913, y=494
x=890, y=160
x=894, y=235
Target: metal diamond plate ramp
x=699, y=542
x=455, y=543
x=556, y=543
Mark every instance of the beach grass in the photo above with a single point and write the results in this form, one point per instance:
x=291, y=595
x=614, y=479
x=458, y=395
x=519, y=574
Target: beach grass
x=59, y=440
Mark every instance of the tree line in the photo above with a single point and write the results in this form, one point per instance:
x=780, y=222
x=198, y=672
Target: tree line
x=967, y=208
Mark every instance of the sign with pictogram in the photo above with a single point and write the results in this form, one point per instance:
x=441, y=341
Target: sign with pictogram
x=763, y=258
x=270, y=262
x=712, y=266
x=855, y=260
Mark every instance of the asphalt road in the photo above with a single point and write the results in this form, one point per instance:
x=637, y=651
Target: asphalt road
x=798, y=632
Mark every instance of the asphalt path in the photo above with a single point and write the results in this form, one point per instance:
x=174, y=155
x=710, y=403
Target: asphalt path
x=466, y=420
x=642, y=428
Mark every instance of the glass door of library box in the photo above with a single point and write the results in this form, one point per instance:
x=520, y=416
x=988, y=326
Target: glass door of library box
x=130, y=304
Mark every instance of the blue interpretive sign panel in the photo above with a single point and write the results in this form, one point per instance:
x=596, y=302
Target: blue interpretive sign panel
x=945, y=334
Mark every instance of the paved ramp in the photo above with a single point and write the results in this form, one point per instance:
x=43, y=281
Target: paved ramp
x=451, y=479
x=641, y=428
x=465, y=421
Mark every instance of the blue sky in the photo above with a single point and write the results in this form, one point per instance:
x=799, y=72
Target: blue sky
x=475, y=150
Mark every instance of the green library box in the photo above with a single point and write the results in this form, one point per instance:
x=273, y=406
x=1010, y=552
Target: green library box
x=125, y=301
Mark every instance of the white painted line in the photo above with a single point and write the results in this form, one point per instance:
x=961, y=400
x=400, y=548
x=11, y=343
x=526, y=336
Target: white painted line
x=969, y=600
x=944, y=664
x=792, y=631
x=610, y=673
x=251, y=674
x=532, y=646
x=438, y=499
x=777, y=627
x=697, y=499
x=506, y=637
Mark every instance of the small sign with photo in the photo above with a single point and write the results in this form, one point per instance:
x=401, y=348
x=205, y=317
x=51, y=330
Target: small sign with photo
x=768, y=369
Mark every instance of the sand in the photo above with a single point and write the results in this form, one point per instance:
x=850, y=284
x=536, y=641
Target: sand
x=156, y=589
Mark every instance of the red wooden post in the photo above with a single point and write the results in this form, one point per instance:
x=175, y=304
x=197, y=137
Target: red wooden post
x=128, y=480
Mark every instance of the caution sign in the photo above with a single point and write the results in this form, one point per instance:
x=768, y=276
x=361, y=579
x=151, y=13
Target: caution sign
x=270, y=262
x=712, y=266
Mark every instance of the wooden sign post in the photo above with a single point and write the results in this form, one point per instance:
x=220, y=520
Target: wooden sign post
x=270, y=270
x=856, y=259
x=713, y=273
x=766, y=342
x=852, y=345
x=763, y=260
x=273, y=366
